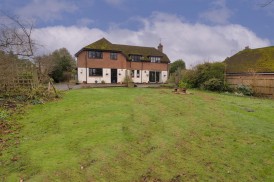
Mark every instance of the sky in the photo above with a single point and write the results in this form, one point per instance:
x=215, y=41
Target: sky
x=196, y=31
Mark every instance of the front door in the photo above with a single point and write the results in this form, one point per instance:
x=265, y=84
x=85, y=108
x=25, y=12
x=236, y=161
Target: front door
x=113, y=75
x=154, y=76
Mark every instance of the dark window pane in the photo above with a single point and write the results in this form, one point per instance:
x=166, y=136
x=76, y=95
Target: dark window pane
x=135, y=58
x=138, y=74
x=155, y=59
x=95, y=72
x=95, y=54
x=113, y=55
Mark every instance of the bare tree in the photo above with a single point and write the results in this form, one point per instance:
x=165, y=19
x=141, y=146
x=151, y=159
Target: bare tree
x=15, y=35
x=266, y=3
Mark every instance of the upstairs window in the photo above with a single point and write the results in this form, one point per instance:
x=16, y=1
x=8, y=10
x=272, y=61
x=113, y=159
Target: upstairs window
x=113, y=55
x=95, y=72
x=155, y=59
x=135, y=58
x=95, y=54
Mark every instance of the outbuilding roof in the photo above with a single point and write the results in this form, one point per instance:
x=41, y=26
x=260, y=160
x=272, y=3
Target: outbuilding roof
x=259, y=60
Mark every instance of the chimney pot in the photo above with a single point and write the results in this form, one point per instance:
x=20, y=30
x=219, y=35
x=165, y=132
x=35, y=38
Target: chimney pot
x=160, y=47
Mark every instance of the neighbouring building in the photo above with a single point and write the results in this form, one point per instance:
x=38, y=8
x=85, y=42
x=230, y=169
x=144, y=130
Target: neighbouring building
x=253, y=68
x=104, y=62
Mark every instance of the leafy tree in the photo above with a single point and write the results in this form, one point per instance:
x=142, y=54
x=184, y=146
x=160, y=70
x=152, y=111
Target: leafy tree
x=178, y=64
x=208, y=76
x=59, y=65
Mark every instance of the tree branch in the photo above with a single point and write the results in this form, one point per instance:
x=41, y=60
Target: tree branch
x=15, y=36
x=266, y=3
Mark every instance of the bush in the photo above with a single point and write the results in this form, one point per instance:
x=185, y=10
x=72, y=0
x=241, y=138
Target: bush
x=213, y=84
x=201, y=75
x=245, y=90
x=127, y=79
x=35, y=95
x=183, y=84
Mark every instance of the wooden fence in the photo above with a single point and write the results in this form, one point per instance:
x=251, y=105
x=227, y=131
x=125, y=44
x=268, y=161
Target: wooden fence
x=262, y=84
x=15, y=75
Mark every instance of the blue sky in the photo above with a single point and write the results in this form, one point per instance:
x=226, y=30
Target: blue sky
x=194, y=30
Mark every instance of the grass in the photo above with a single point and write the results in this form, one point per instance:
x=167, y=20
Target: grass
x=123, y=134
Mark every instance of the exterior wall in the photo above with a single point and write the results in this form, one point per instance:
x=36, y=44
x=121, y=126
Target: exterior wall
x=147, y=66
x=164, y=76
x=83, y=61
x=261, y=84
x=145, y=76
x=121, y=64
x=121, y=75
x=81, y=74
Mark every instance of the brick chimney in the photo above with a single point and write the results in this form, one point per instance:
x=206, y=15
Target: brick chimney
x=160, y=47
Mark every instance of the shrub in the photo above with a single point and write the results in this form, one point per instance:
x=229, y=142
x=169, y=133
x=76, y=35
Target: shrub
x=189, y=76
x=127, y=79
x=103, y=82
x=202, y=73
x=245, y=90
x=183, y=84
x=213, y=84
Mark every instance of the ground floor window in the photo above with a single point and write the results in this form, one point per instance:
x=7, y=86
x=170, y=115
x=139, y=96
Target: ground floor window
x=132, y=73
x=95, y=72
x=138, y=73
x=154, y=76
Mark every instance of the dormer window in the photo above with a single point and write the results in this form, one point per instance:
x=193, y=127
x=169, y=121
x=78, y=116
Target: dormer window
x=135, y=58
x=95, y=54
x=155, y=59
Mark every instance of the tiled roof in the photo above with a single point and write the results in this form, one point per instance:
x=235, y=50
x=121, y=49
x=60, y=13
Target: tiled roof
x=104, y=45
x=252, y=60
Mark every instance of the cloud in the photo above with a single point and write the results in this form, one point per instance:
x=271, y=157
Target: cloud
x=219, y=13
x=193, y=43
x=46, y=10
x=73, y=38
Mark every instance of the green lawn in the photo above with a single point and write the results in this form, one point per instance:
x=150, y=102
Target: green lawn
x=135, y=134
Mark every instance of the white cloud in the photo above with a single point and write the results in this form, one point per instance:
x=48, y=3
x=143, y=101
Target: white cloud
x=193, y=43
x=46, y=10
x=219, y=13
x=73, y=38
